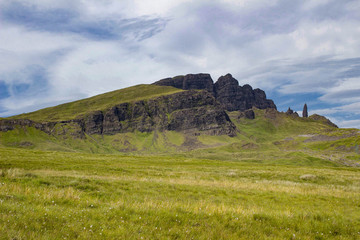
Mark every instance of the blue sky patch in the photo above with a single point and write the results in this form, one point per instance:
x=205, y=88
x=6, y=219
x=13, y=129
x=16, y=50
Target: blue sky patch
x=4, y=93
x=61, y=20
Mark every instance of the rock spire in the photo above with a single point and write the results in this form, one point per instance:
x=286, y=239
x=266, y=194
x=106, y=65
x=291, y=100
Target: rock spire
x=305, y=111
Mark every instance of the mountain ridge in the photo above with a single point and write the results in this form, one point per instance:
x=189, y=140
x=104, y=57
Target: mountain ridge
x=164, y=119
x=190, y=103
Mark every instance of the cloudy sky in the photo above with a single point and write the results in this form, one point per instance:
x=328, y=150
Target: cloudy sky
x=297, y=51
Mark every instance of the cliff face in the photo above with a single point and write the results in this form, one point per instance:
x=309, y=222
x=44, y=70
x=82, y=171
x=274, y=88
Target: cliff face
x=190, y=81
x=226, y=91
x=191, y=111
x=185, y=111
x=234, y=97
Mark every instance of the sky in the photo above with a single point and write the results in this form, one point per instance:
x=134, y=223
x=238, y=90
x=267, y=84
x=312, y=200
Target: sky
x=298, y=51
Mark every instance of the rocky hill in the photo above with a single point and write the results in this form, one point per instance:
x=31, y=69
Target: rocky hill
x=201, y=109
x=179, y=114
x=226, y=91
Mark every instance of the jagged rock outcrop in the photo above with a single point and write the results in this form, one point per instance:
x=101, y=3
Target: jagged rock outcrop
x=234, y=97
x=93, y=123
x=249, y=114
x=226, y=91
x=189, y=81
x=292, y=113
x=289, y=111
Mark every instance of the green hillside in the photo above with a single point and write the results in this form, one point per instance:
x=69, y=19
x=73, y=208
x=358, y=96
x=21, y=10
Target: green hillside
x=104, y=101
x=280, y=177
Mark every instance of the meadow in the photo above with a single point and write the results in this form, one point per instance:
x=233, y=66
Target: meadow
x=59, y=195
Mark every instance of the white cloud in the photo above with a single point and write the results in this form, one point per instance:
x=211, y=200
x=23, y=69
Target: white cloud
x=311, y=4
x=20, y=47
x=288, y=47
x=345, y=116
x=345, y=91
x=349, y=124
x=46, y=4
x=108, y=63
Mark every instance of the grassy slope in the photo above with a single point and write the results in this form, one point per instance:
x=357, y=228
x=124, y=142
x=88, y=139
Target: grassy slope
x=137, y=142
x=104, y=101
x=280, y=141
x=53, y=195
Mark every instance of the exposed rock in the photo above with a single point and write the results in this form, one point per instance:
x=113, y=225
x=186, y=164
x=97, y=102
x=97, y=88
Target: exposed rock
x=183, y=111
x=305, y=111
x=190, y=81
x=226, y=90
x=249, y=114
x=289, y=111
x=5, y=128
x=9, y=124
x=234, y=97
x=292, y=113
x=94, y=123
x=73, y=128
x=205, y=119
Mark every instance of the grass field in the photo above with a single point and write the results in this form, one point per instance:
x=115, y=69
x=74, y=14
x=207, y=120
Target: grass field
x=57, y=195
